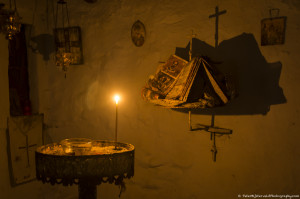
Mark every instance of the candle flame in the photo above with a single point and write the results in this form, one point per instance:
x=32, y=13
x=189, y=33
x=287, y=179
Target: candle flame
x=117, y=98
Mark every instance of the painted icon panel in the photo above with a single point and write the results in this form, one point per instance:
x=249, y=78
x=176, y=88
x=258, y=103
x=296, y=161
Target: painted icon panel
x=273, y=31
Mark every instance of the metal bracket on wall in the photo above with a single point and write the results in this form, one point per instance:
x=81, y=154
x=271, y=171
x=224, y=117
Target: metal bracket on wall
x=213, y=130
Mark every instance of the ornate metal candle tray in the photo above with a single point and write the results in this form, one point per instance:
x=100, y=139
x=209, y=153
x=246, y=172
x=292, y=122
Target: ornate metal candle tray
x=87, y=165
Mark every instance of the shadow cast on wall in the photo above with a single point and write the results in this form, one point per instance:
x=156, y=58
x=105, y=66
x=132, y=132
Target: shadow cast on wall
x=257, y=80
x=43, y=44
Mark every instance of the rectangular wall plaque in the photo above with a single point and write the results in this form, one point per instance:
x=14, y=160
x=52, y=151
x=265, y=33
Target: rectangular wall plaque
x=24, y=134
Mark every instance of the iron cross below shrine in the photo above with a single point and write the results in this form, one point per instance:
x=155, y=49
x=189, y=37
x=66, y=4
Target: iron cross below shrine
x=27, y=147
x=217, y=14
x=213, y=133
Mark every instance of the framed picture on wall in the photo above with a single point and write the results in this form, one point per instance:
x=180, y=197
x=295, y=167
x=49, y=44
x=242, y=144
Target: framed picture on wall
x=24, y=135
x=273, y=31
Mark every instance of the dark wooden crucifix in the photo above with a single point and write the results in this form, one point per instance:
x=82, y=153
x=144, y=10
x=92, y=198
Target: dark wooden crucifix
x=217, y=14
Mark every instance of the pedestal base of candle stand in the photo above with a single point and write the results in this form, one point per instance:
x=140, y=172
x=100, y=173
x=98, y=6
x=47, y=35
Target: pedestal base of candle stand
x=87, y=190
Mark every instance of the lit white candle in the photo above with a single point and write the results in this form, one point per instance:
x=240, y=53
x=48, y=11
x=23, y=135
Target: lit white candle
x=117, y=99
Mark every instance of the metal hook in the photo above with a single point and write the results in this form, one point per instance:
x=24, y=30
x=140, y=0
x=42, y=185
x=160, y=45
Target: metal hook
x=272, y=11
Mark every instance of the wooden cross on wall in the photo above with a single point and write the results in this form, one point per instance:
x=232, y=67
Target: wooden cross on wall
x=217, y=14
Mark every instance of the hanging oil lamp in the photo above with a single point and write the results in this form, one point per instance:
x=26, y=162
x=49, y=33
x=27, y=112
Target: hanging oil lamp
x=63, y=56
x=12, y=24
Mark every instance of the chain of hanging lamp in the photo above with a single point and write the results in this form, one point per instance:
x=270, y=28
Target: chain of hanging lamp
x=63, y=55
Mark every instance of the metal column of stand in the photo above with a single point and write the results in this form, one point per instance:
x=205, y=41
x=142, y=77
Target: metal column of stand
x=87, y=190
x=213, y=137
x=190, y=120
x=214, y=147
x=212, y=134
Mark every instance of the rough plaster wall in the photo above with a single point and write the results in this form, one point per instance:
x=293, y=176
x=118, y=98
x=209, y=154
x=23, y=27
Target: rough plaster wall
x=260, y=157
x=4, y=108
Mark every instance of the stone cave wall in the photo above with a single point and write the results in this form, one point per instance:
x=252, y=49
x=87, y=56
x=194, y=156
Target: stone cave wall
x=260, y=157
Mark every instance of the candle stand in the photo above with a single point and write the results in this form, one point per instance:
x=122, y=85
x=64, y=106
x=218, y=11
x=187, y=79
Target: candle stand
x=87, y=169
